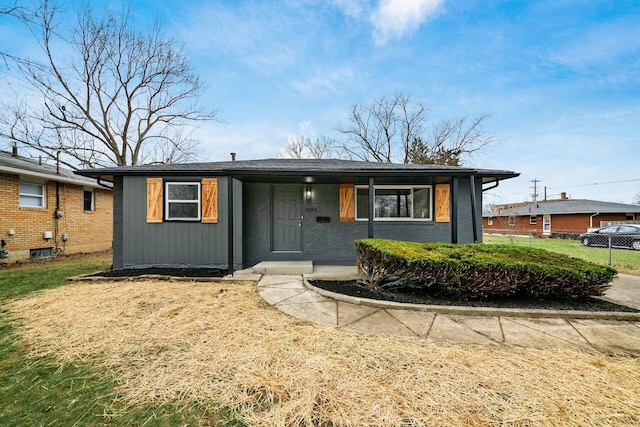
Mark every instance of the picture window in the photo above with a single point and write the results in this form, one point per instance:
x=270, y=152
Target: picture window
x=395, y=203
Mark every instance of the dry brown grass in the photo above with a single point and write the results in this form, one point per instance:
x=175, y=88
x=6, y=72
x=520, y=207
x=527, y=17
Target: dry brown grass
x=219, y=342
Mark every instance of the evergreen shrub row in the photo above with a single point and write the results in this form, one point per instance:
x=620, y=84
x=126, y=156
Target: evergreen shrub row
x=478, y=270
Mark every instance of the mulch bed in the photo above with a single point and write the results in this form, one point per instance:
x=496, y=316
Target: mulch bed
x=422, y=296
x=173, y=272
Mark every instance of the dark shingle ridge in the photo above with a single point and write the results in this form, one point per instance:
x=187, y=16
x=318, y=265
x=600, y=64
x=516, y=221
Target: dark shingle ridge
x=570, y=206
x=285, y=165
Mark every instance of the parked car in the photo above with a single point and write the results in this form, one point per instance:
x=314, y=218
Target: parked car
x=622, y=236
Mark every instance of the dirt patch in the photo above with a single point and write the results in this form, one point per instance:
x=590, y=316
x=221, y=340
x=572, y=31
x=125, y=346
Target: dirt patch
x=58, y=260
x=219, y=342
x=158, y=271
x=422, y=296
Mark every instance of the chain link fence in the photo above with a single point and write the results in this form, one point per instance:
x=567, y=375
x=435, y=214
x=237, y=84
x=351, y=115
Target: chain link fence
x=613, y=237
x=616, y=249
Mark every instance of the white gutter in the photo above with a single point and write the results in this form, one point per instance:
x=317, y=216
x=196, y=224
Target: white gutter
x=51, y=177
x=591, y=219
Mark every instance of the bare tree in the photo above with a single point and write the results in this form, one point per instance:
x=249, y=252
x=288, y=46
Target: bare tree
x=449, y=141
x=9, y=10
x=636, y=199
x=110, y=95
x=384, y=130
x=393, y=130
x=301, y=147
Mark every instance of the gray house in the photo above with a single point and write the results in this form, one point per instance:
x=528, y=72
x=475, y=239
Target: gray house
x=235, y=214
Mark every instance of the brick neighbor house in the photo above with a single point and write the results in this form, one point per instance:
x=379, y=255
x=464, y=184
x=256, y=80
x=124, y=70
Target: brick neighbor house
x=45, y=210
x=562, y=217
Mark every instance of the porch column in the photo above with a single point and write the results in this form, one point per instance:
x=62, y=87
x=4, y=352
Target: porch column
x=371, y=206
x=472, y=190
x=230, y=224
x=454, y=209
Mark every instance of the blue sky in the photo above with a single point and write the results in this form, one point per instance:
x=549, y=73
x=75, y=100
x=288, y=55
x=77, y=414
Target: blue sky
x=560, y=78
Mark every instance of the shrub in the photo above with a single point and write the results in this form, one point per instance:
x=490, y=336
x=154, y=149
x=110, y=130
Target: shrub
x=477, y=270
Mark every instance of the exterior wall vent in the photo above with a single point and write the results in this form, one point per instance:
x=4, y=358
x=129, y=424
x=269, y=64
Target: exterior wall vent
x=40, y=253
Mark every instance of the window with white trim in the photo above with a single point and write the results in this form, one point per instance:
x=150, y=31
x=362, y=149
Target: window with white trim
x=490, y=221
x=533, y=220
x=393, y=202
x=88, y=199
x=182, y=201
x=32, y=195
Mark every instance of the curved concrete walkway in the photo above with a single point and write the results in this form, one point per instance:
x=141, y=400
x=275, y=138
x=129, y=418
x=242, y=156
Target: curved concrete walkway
x=524, y=328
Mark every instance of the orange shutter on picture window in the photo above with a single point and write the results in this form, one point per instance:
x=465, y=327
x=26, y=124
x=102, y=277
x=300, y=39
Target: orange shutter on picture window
x=210, y=200
x=154, y=199
x=442, y=203
x=347, y=203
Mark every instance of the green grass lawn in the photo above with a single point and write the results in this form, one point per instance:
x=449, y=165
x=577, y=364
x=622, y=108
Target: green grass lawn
x=37, y=391
x=41, y=391
x=624, y=260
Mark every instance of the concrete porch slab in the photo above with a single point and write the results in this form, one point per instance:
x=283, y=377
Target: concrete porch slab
x=283, y=267
x=333, y=272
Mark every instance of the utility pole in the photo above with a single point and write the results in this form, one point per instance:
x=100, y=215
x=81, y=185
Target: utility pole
x=535, y=189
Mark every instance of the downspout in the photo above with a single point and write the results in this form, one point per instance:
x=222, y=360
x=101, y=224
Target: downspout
x=56, y=218
x=474, y=220
x=591, y=219
x=230, y=224
x=491, y=187
x=99, y=181
x=371, y=206
x=56, y=213
x=454, y=209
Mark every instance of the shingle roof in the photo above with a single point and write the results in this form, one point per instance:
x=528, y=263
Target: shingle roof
x=32, y=168
x=571, y=206
x=295, y=167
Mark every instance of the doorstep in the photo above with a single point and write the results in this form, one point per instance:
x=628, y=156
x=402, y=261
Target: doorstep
x=283, y=267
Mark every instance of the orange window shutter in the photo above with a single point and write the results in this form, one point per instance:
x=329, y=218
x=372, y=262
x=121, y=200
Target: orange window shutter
x=210, y=200
x=347, y=203
x=442, y=203
x=154, y=199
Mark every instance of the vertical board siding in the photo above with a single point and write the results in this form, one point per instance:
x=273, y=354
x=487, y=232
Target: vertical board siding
x=171, y=243
x=443, y=203
x=210, y=200
x=347, y=203
x=154, y=199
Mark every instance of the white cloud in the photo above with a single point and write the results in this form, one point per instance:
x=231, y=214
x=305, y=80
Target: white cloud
x=352, y=8
x=395, y=18
x=324, y=82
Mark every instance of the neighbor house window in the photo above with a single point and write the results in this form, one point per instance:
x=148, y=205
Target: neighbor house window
x=182, y=201
x=490, y=221
x=88, y=200
x=395, y=202
x=32, y=195
x=512, y=220
x=533, y=220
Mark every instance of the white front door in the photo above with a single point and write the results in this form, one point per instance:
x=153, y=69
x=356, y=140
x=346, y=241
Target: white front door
x=546, y=224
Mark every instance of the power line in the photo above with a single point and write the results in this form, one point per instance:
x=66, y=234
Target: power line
x=601, y=183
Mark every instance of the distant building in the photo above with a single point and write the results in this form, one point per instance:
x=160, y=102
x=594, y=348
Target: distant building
x=562, y=217
x=46, y=210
